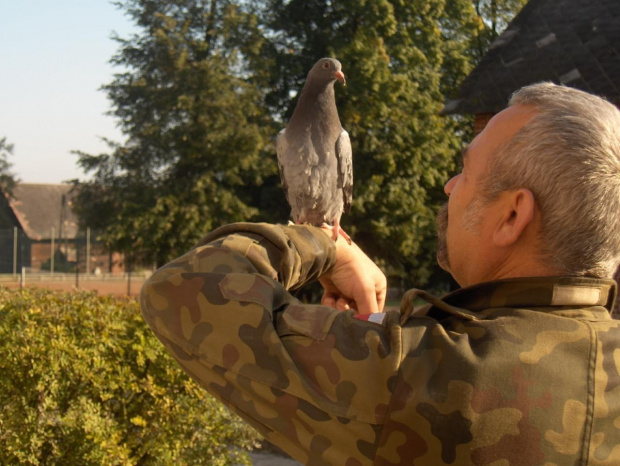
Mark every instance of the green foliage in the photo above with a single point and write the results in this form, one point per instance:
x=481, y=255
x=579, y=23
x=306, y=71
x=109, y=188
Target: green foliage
x=400, y=59
x=7, y=179
x=195, y=125
x=85, y=382
x=403, y=60
x=207, y=85
x=61, y=263
x=495, y=16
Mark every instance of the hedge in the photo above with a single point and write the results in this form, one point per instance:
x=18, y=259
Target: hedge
x=84, y=381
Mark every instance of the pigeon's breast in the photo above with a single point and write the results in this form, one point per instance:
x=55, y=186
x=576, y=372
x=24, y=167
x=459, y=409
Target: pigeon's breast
x=312, y=181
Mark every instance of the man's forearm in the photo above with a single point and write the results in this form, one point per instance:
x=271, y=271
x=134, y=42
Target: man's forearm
x=291, y=254
x=224, y=312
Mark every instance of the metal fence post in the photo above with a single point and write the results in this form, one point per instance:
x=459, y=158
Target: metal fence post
x=128, y=264
x=77, y=262
x=14, y=251
x=87, y=250
x=52, y=254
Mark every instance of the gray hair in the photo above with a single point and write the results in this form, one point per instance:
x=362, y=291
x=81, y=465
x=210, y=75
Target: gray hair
x=568, y=155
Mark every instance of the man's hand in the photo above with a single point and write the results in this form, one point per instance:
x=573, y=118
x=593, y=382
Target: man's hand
x=354, y=282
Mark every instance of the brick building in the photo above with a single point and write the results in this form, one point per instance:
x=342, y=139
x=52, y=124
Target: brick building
x=39, y=221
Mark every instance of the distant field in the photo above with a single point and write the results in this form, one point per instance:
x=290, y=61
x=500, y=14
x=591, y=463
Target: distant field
x=116, y=286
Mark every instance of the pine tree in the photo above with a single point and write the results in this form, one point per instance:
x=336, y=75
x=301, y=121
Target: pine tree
x=195, y=125
x=207, y=84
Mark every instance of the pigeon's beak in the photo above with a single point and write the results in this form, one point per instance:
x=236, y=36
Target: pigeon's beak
x=339, y=75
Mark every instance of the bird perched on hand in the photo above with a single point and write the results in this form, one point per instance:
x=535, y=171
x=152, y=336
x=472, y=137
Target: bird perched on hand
x=314, y=153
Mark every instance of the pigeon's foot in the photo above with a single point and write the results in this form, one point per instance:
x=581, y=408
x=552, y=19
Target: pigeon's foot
x=344, y=235
x=333, y=229
x=337, y=230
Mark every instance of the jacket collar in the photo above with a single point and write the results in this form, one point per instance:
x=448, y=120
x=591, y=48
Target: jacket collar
x=586, y=298
x=537, y=292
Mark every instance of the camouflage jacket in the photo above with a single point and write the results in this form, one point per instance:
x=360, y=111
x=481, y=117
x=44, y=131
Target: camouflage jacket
x=515, y=372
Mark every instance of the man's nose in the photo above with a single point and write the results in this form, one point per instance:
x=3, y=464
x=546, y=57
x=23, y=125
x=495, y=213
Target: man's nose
x=449, y=186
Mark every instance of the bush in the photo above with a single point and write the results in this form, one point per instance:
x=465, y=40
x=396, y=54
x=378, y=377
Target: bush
x=84, y=381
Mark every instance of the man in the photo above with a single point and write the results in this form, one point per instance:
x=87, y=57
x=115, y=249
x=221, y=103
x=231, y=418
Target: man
x=520, y=366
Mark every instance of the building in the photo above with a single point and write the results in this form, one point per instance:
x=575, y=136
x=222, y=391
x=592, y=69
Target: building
x=570, y=42
x=40, y=231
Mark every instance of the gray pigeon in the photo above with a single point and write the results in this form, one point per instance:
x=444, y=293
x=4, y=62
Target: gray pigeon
x=314, y=153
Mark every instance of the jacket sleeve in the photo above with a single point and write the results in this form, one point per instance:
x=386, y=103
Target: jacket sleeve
x=312, y=380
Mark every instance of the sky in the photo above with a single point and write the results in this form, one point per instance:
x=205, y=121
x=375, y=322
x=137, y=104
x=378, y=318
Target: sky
x=53, y=60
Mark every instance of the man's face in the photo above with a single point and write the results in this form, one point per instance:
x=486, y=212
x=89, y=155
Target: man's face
x=465, y=223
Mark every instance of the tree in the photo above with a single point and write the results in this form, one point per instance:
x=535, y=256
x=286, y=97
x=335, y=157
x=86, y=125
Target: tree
x=196, y=129
x=7, y=178
x=396, y=56
x=208, y=84
x=495, y=15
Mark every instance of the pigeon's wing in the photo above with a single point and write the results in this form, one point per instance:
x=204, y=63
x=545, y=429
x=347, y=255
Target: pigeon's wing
x=281, y=150
x=344, y=155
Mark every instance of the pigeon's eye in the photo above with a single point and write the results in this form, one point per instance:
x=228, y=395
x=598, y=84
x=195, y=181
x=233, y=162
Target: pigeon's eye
x=326, y=65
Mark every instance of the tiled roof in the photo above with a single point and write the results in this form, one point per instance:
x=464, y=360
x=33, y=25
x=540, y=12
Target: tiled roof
x=572, y=42
x=40, y=207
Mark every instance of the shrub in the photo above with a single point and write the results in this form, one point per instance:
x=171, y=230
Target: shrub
x=84, y=381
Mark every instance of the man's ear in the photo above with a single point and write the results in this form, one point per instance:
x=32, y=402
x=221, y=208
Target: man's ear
x=516, y=212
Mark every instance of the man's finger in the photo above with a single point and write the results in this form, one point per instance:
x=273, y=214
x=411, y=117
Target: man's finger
x=328, y=299
x=381, y=297
x=342, y=304
x=367, y=303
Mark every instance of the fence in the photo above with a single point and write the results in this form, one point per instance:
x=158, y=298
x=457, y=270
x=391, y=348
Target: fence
x=128, y=284
x=14, y=250
x=79, y=262
x=82, y=253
